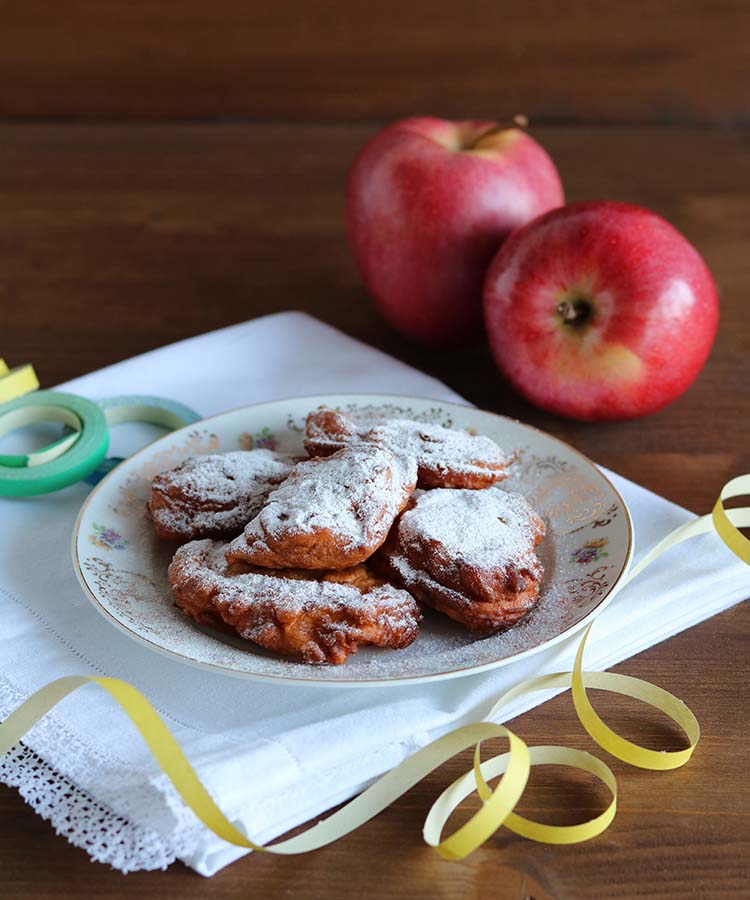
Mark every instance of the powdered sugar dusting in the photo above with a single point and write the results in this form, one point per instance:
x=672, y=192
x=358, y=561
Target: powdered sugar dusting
x=446, y=457
x=442, y=449
x=354, y=494
x=205, y=563
x=318, y=620
x=217, y=477
x=215, y=494
x=486, y=529
x=412, y=577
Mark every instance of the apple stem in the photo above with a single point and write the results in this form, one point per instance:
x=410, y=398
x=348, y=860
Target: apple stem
x=518, y=121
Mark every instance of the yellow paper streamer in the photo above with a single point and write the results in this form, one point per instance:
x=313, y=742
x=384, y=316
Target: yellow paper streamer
x=16, y=382
x=735, y=540
x=514, y=766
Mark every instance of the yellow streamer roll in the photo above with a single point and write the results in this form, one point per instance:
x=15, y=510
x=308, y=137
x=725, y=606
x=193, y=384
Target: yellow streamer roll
x=498, y=803
x=16, y=382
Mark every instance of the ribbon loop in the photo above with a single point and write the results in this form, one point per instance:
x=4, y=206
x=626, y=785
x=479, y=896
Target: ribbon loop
x=732, y=537
x=568, y=834
x=613, y=743
x=462, y=787
x=497, y=805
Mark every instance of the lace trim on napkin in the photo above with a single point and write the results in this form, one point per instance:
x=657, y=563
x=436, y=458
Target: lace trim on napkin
x=88, y=823
x=85, y=822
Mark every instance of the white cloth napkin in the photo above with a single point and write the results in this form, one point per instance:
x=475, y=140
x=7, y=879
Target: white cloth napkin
x=272, y=756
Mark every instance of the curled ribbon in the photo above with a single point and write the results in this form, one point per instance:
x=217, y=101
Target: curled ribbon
x=499, y=802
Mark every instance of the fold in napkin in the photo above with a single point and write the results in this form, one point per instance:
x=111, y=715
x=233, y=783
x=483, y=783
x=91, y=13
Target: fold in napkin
x=272, y=756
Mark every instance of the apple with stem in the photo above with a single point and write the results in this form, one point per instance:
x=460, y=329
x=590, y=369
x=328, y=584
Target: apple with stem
x=599, y=311
x=428, y=203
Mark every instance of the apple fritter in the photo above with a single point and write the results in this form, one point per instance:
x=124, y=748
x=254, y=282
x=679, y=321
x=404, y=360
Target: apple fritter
x=446, y=457
x=317, y=618
x=468, y=554
x=330, y=513
x=214, y=495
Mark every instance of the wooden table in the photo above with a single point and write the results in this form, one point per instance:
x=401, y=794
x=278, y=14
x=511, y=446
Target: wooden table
x=132, y=217
x=118, y=239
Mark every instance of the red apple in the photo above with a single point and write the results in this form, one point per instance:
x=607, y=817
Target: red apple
x=428, y=203
x=600, y=311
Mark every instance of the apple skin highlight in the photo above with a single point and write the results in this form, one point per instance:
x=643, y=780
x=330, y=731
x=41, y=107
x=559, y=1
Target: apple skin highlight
x=428, y=203
x=600, y=311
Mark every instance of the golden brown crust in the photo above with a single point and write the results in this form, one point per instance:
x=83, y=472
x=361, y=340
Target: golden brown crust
x=214, y=495
x=504, y=607
x=331, y=513
x=328, y=430
x=361, y=577
x=317, y=620
x=486, y=580
x=446, y=457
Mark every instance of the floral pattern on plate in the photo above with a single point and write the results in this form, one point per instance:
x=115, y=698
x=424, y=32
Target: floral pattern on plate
x=106, y=538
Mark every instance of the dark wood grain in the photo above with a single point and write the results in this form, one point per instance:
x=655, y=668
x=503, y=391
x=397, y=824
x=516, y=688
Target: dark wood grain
x=117, y=239
x=310, y=60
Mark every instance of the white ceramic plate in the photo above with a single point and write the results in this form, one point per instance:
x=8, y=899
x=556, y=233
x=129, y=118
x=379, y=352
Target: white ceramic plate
x=123, y=567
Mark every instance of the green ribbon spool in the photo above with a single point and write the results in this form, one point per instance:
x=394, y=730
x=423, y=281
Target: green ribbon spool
x=62, y=463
